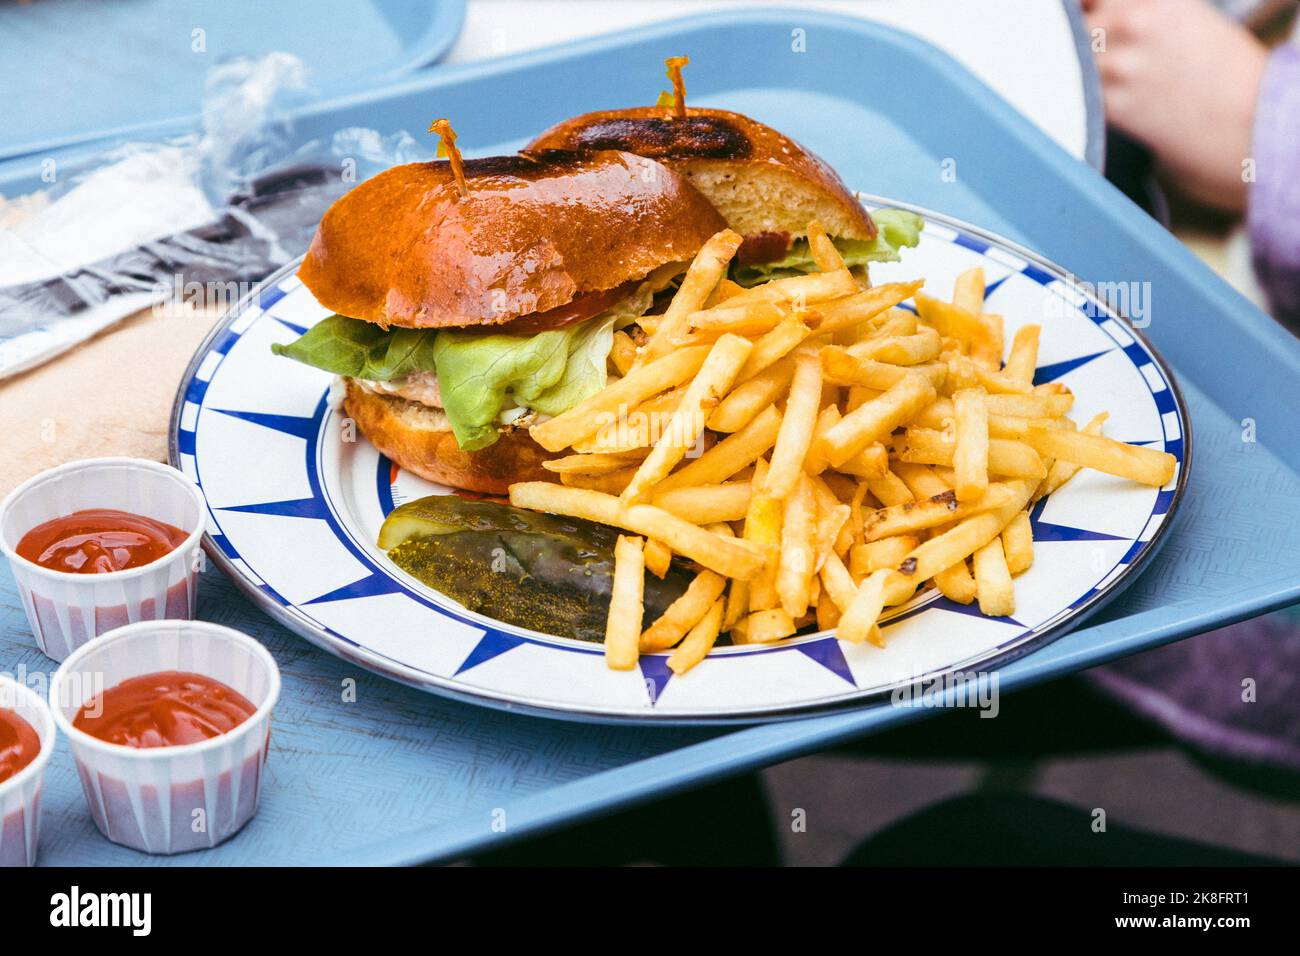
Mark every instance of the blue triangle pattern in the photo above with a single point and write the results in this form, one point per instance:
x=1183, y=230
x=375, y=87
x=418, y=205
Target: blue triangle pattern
x=294, y=425
x=372, y=585
x=1046, y=531
x=491, y=644
x=1050, y=373
x=971, y=610
x=828, y=654
x=296, y=508
x=994, y=285
x=292, y=327
x=655, y=673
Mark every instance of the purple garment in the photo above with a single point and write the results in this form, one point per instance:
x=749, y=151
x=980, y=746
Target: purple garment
x=1273, y=216
x=1194, y=689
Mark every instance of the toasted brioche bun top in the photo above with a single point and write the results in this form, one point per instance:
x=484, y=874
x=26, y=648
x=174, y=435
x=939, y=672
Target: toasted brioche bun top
x=532, y=233
x=760, y=180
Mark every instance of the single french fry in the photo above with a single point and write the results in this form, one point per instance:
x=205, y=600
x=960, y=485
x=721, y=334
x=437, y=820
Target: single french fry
x=737, y=604
x=956, y=583
x=749, y=398
x=854, y=310
x=1135, y=462
x=882, y=553
x=708, y=266
x=730, y=557
x=876, y=419
x=752, y=319
x=623, y=627
x=773, y=346
x=893, y=324
x=871, y=462
x=734, y=453
x=727, y=289
x=989, y=353
x=970, y=458
x=706, y=504
x=1030, y=406
x=842, y=367
x=658, y=557
x=1063, y=471
x=698, y=642
x=610, y=484
x=1008, y=426
x=813, y=287
x=814, y=462
x=921, y=347
x=859, y=396
x=795, y=436
x=890, y=490
x=1018, y=543
x=828, y=614
x=684, y=613
x=997, y=595
x=763, y=627
x=629, y=391
x=968, y=290
x=795, y=567
x=1024, y=354
x=705, y=391
x=824, y=253
x=763, y=530
x=838, y=583
x=921, y=480
x=932, y=512
x=860, y=492
x=1001, y=383
x=832, y=519
x=623, y=352
x=597, y=464
x=864, y=610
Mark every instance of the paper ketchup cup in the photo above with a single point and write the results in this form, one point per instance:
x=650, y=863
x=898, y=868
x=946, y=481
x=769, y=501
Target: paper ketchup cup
x=170, y=799
x=20, y=795
x=66, y=610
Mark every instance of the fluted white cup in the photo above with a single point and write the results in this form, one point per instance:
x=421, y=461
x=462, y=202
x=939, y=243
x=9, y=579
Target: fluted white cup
x=66, y=610
x=170, y=799
x=20, y=795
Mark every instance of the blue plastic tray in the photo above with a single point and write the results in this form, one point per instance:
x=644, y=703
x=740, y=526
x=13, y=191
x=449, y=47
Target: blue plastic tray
x=81, y=70
x=398, y=776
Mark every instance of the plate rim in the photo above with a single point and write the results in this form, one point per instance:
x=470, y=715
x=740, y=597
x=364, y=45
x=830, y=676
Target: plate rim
x=445, y=687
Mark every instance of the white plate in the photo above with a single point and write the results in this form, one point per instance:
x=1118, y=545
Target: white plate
x=295, y=511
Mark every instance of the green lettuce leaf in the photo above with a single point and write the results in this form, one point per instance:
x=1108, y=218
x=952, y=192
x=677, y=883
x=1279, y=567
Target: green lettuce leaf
x=896, y=229
x=363, y=350
x=479, y=375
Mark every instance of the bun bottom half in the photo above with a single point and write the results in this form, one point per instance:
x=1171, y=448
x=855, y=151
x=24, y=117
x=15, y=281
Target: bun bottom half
x=419, y=439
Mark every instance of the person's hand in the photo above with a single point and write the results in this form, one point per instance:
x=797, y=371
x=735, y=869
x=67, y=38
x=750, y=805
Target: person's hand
x=1182, y=78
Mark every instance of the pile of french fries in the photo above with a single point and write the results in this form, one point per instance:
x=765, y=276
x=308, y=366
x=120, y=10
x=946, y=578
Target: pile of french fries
x=869, y=451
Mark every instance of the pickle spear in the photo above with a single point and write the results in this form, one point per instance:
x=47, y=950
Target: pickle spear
x=543, y=572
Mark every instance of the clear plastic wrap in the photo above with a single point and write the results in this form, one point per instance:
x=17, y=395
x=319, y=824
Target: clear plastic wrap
x=145, y=224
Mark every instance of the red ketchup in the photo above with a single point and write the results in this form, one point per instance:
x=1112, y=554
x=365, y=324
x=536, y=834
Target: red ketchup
x=166, y=709
x=98, y=541
x=19, y=744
